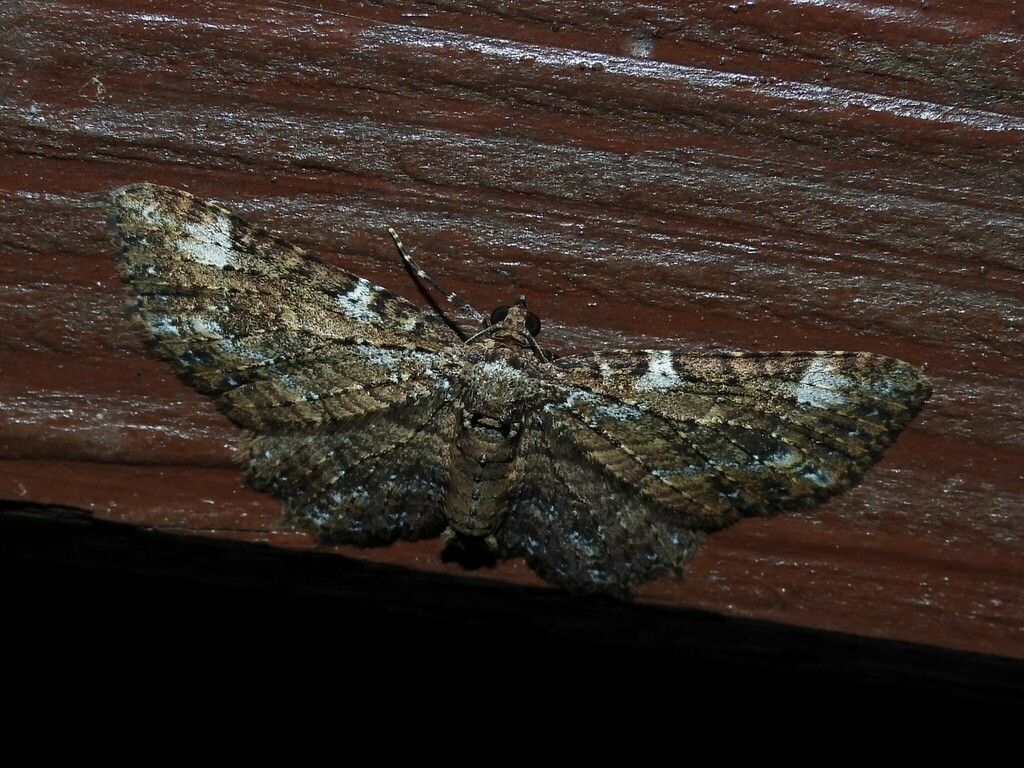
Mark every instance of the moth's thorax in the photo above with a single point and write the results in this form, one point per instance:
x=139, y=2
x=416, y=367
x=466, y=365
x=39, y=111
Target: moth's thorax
x=496, y=382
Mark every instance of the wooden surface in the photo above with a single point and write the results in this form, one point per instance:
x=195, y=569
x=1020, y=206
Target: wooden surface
x=778, y=175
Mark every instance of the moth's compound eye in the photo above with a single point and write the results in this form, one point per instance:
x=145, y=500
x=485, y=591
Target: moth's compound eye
x=532, y=321
x=498, y=314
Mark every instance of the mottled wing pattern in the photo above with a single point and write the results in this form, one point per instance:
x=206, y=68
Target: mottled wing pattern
x=369, y=481
x=728, y=435
x=296, y=350
x=373, y=421
x=576, y=523
x=668, y=443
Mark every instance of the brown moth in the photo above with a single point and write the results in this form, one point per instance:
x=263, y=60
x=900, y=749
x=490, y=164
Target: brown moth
x=374, y=420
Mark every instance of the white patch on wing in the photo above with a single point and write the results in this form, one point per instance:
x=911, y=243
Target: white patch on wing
x=150, y=213
x=245, y=349
x=579, y=399
x=205, y=328
x=356, y=303
x=192, y=326
x=661, y=372
x=163, y=326
x=822, y=386
x=397, y=364
x=784, y=458
x=620, y=411
x=208, y=242
x=575, y=396
x=381, y=358
x=818, y=476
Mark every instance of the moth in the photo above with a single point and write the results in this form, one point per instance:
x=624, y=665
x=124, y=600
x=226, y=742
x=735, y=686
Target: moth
x=373, y=420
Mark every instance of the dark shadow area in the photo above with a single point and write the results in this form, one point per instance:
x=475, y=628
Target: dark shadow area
x=93, y=602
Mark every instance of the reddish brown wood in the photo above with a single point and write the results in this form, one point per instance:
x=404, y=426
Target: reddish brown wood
x=778, y=175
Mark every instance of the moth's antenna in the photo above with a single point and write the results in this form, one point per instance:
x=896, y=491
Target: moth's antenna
x=449, y=296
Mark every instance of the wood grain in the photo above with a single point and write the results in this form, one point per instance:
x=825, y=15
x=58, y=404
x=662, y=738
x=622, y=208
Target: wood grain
x=785, y=175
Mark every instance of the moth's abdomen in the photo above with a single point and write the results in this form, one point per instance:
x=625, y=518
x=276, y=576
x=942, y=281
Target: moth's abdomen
x=480, y=474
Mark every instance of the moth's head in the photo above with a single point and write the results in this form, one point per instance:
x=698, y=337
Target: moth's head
x=511, y=328
x=516, y=318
